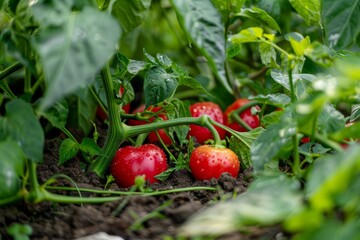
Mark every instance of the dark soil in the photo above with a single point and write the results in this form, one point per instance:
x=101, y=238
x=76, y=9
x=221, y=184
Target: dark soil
x=69, y=221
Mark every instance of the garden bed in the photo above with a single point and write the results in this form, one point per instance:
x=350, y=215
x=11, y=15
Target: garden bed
x=70, y=221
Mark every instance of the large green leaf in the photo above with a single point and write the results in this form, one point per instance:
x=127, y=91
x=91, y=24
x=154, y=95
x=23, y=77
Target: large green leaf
x=301, y=81
x=341, y=22
x=251, y=34
x=278, y=9
x=130, y=14
x=331, y=176
x=276, y=99
x=308, y=9
x=271, y=142
x=330, y=120
x=268, y=201
x=73, y=46
x=202, y=22
x=241, y=143
x=11, y=153
x=57, y=114
x=158, y=85
x=21, y=125
x=260, y=16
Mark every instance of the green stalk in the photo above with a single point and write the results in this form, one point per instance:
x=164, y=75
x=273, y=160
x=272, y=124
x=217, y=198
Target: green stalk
x=155, y=193
x=10, y=70
x=296, y=156
x=235, y=114
x=27, y=80
x=77, y=200
x=5, y=87
x=115, y=132
x=204, y=121
x=291, y=83
x=68, y=134
x=36, y=195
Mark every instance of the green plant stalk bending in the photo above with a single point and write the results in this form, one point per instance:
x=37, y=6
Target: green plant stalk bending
x=296, y=168
x=10, y=70
x=115, y=133
x=155, y=193
x=235, y=114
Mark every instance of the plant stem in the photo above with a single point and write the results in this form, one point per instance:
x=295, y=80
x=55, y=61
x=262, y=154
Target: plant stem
x=68, y=133
x=291, y=84
x=276, y=47
x=204, y=121
x=27, y=80
x=296, y=156
x=155, y=193
x=115, y=132
x=5, y=87
x=77, y=200
x=235, y=114
x=36, y=195
x=10, y=70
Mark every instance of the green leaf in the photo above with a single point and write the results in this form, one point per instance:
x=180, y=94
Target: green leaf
x=330, y=120
x=164, y=60
x=341, y=22
x=130, y=14
x=269, y=201
x=355, y=112
x=241, y=144
x=331, y=176
x=232, y=50
x=158, y=85
x=68, y=149
x=180, y=109
x=20, y=231
x=268, y=55
x=89, y=146
x=300, y=47
x=260, y=16
x=301, y=81
x=278, y=9
x=308, y=111
x=194, y=84
x=57, y=114
x=73, y=46
x=252, y=34
x=134, y=66
x=271, y=118
x=320, y=54
x=21, y=125
x=12, y=155
x=270, y=143
x=202, y=22
x=5, y=20
x=309, y=10
x=276, y=99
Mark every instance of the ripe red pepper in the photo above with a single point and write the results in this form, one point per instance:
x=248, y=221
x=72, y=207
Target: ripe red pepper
x=214, y=111
x=207, y=162
x=130, y=162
